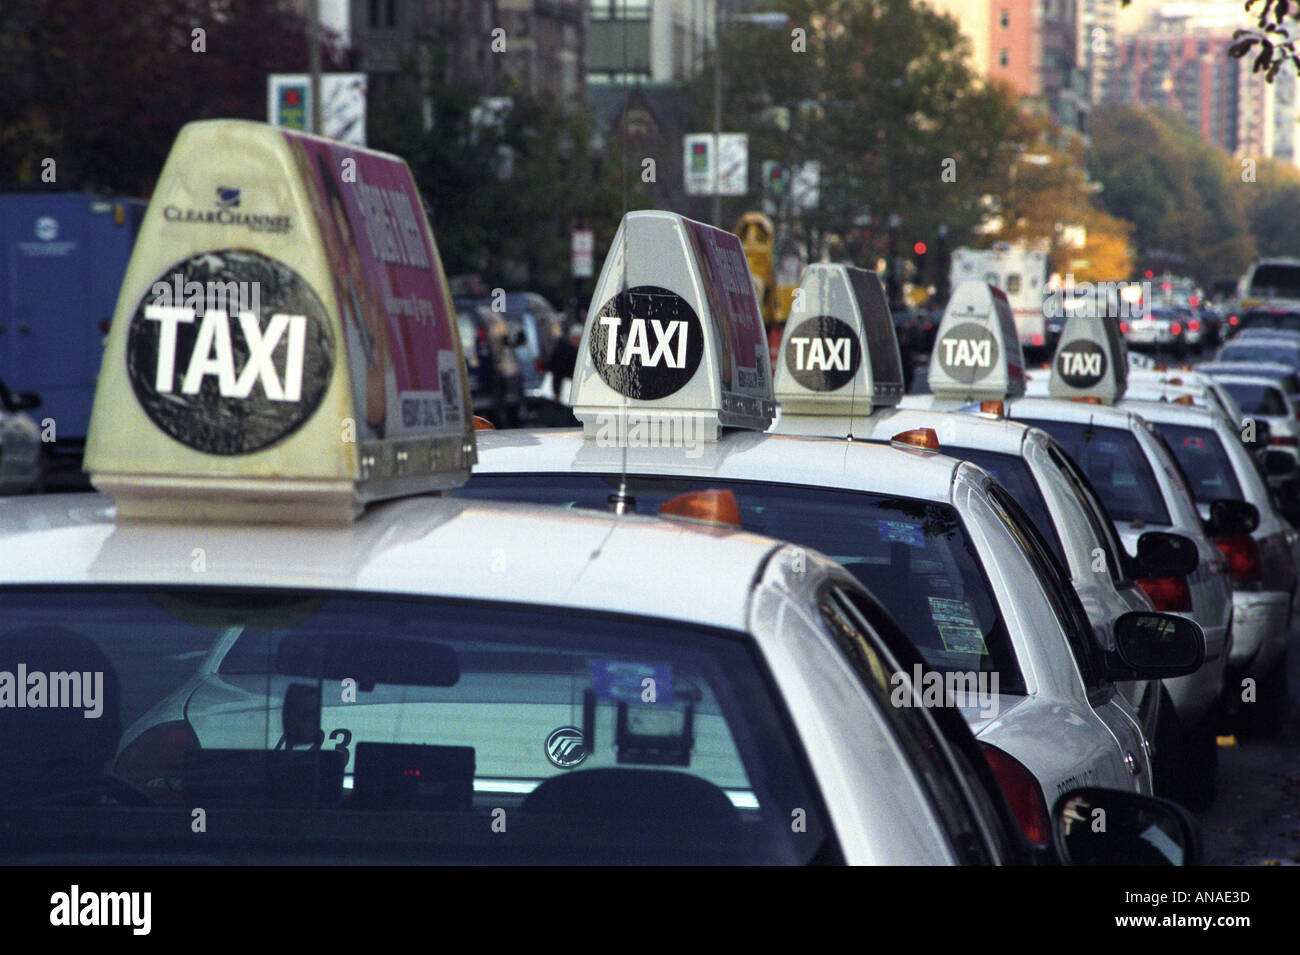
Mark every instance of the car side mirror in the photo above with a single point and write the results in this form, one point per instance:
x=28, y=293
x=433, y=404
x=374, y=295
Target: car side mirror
x=1263, y=436
x=1094, y=826
x=1279, y=463
x=1161, y=554
x=1154, y=646
x=1231, y=518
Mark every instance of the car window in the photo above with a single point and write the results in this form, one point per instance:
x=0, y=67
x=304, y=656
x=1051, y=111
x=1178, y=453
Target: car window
x=1012, y=472
x=847, y=615
x=914, y=556
x=1201, y=455
x=1060, y=592
x=1253, y=350
x=1275, y=281
x=1257, y=399
x=1116, y=466
x=411, y=707
x=1094, y=510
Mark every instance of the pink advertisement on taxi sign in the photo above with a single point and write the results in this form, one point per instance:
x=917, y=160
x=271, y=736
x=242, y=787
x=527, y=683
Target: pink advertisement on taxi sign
x=392, y=294
x=730, y=291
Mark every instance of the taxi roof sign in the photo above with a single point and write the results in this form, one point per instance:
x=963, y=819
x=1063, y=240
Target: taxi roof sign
x=839, y=354
x=1091, y=360
x=674, y=332
x=977, y=353
x=284, y=346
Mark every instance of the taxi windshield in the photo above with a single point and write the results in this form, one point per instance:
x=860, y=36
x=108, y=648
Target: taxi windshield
x=1117, y=467
x=1204, y=461
x=914, y=556
x=369, y=727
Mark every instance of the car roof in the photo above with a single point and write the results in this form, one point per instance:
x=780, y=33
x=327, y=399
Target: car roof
x=860, y=465
x=1168, y=412
x=429, y=545
x=1062, y=409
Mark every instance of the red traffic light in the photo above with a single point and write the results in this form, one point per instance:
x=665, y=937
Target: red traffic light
x=919, y=248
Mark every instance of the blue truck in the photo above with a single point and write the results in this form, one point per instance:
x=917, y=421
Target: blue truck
x=65, y=255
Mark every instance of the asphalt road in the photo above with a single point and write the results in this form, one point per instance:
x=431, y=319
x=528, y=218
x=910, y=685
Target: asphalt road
x=1256, y=818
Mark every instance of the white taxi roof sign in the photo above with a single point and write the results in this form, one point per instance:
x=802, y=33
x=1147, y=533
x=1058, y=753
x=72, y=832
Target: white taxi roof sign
x=1091, y=360
x=284, y=346
x=977, y=354
x=839, y=354
x=674, y=332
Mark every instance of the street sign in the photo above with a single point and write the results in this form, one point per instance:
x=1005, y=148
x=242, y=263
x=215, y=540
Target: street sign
x=805, y=185
x=728, y=161
x=343, y=104
x=733, y=164
x=584, y=248
x=698, y=164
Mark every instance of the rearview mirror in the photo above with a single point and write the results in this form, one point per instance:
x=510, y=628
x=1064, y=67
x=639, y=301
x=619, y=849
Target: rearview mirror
x=1231, y=518
x=1161, y=554
x=398, y=661
x=1094, y=826
x=1154, y=646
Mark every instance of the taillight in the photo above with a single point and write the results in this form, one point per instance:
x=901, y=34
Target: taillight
x=1022, y=792
x=1284, y=441
x=540, y=365
x=482, y=334
x=1243, y=558
x=155, y=759
x=1123, y=328
x=1233, y=320
x=1193, y=326
x=1176, y=329
x=1168, y=594
x=1037, y=339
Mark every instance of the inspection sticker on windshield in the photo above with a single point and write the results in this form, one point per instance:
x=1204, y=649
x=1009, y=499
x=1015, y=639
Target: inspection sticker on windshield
x=956, y=625
x=631, y=682
x=901, y=532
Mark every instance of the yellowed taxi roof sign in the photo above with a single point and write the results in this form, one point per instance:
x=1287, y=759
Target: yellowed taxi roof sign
x=284, y=346
x=977, y=354
x=674, y=333
x=839, y=354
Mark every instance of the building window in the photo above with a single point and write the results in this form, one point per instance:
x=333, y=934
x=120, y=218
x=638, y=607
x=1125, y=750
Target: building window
x=1005, y=19
x=382, y=14
x=1003, y=59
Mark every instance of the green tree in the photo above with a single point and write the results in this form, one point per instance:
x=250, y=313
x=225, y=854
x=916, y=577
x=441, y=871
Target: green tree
x=506, y=179
x=1180, y=192
x=103, y=88
x=878, y=93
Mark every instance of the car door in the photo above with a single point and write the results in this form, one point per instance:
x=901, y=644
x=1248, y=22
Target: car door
x=1132, y=761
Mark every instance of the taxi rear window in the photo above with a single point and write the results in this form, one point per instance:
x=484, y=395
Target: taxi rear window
x=498, y=733
x=1257, y=399
x=914, y=556
x=1116, y=466
x=1204, y=461
x=1012, y=472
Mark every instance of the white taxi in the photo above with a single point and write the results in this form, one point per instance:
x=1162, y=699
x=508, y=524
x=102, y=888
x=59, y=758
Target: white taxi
x=271, y=638
x=672, y=391
x=1037, y=472
x=1139, y=481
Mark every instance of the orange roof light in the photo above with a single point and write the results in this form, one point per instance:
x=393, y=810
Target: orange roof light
x=483, y=424
x=994, y=407
x=1159, y=368
x=1087, y=399
x=1174, y=381
x=1184, y=400
x=714, y=506
x=924, y=438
